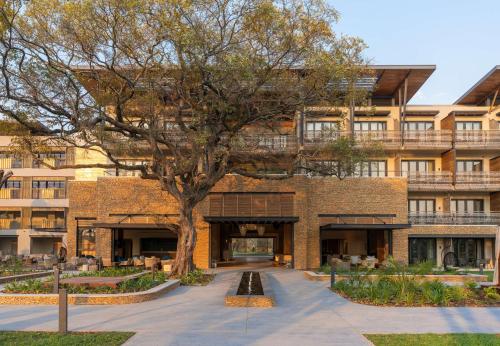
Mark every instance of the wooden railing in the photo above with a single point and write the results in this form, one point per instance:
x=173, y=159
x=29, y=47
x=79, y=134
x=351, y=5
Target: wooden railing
x=477, y=138
x=478, y=178
x=449, y=218
x=41, y=223
x=48, y=193
x=10, y=193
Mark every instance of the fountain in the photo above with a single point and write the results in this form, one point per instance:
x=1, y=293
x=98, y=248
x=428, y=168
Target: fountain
x=251, y=289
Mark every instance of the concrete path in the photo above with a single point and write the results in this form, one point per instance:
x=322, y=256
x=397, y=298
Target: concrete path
x=307, y=313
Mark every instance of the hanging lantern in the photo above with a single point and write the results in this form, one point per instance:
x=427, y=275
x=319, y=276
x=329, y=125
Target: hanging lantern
x=261, y=229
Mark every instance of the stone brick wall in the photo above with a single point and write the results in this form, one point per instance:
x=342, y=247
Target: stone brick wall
x=312, y=196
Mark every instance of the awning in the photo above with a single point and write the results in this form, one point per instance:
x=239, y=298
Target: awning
x=485, y=88
x=434, y=235
x=251, y=219
x=362, y=227
x=164, y=226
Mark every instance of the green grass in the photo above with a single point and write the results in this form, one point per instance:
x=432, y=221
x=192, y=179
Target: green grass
x=70, y=339
x=435, y=339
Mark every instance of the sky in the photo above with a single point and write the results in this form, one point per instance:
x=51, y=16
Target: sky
x=459, y=36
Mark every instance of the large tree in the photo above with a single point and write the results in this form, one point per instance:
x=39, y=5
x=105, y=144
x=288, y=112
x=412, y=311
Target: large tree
x=200, y=87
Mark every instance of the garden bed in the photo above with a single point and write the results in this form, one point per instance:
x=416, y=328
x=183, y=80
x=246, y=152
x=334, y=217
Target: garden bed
x=455, y=278
x=73, y=338
x=196, y=278
x=405, y=290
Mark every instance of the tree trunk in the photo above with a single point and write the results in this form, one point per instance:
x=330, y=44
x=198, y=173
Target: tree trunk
x=186, y=241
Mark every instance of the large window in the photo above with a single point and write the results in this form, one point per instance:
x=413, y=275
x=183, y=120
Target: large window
x=468, y=125
x=85, y=242
x=11, y=189
x=56, y=159
x=321, y=129
x=469, y=165
x=418, y=125
x=410, y=166
x=467, y=206
x=421, y=206
x=49, y=189
x=370, y=126
x=422, y=250
x=371, y=169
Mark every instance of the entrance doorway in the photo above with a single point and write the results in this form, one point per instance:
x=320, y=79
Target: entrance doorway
x=236, y=243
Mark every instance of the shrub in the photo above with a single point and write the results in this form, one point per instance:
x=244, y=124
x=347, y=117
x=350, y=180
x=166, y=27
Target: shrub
x=196, y=278
x=491, y=293
x=108, y=272
x=325, y=268
x=422, y=268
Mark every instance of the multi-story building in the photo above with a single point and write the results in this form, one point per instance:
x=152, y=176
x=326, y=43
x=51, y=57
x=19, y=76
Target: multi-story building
x=34, y=202
x=434, y=189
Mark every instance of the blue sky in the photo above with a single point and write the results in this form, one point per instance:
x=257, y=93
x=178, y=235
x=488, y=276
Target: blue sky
x=460, y=37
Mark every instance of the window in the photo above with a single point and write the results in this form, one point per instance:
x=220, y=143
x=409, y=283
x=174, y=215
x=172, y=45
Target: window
x=467, y=206
x=371, y=169
x=421, y=206
x=418, y=125
x=469, y=165
x=49, y=184
x=411, y=166
x=321, y=129
x=85, y=242
x=53, y=158
x=422, y=250
x=130, y=173
x=273, y=142
x=468, y=125
x=48, y=189
x=370, y=126
x=12, y=184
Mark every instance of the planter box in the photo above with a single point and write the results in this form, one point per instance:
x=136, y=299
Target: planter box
x=312, y=276
x=90, y=299
x=21, y=277
x=256, y=301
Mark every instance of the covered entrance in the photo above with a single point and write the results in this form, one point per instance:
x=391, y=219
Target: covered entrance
x=130, y=243
x=235, y=241
x=353, y=238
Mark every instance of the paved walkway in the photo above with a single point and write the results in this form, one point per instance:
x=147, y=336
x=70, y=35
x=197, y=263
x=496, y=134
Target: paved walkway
x=307, y=313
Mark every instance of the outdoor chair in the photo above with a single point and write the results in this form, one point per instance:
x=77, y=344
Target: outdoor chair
x=150, y=262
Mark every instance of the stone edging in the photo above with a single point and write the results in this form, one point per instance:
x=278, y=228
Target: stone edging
x=256, y=301
x=312, y=276
x=90, y=299
x=20, y=277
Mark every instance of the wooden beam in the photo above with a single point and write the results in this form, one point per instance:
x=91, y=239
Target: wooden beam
x=492, y=104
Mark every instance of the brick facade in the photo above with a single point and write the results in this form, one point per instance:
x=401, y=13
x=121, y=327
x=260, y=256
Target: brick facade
x=312, y=196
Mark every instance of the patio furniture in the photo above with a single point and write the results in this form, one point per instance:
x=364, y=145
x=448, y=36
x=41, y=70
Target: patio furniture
x=138, y=262
x=150, y=262
x=166, y=265
x=127, y=263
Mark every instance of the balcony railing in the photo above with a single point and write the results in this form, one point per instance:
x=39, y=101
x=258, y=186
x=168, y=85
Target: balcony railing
x=47, y=193
x=10, y=193
x=475, y=179
x=265, y=143
x=428, y=177
x=10, y=162
x=38, y=223
x=389, y=139
x=477, y=138
x=10, y=223
x=447, y=218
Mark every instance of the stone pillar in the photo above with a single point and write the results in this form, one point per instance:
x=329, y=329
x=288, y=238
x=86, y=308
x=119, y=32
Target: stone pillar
x=400, y=245
x=104, y=245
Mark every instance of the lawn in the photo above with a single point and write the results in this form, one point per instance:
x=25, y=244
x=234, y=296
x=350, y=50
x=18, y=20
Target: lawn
x=55, y=339
x=435, y=339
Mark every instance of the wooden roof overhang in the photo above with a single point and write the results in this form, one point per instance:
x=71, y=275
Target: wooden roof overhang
x=251, y=219
x=467, y=113
x=390, y=78
x=359, y=222
x=486, y=87
x=422, y=113
x=138, y=226
x=362, y=227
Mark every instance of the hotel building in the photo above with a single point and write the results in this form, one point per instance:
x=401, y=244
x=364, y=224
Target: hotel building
x=434, y=190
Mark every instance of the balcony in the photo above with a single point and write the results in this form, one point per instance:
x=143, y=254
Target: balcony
x=10, y=162
x=436, y=181
x=10, y=193
x=50, y=162
x=265, y=143
x=474, y=139
x=477, y=180
x=447, y=218
x=48, y=193
x=10, y=223
x=426, y=140
x=47, y=224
